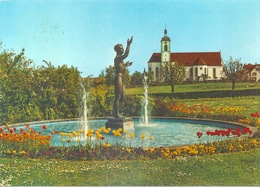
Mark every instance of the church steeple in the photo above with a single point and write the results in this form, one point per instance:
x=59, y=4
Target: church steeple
x=165, y=47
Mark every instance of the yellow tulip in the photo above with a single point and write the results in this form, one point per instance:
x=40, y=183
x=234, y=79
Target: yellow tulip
x=70, y=135
x=131, y=135
x=108, y=145
x=103, y=129
x=113, y=131
x=80, y=130
x=91, y=131
x=151, y=138
x=143, y=136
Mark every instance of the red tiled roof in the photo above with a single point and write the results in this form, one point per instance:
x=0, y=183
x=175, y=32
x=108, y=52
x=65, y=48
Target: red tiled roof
x=192, y=58
x=249, y=67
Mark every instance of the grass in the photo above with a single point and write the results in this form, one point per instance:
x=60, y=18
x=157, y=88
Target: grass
x=195, y=87
x=225, y=170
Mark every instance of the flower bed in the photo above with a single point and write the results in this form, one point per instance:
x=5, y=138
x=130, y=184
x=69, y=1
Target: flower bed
x=233, y=114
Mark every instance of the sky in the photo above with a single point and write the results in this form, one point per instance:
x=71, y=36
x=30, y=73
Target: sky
x=82, y=33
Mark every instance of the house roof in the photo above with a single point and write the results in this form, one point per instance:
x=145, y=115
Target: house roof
x=191, y=58
x=249, y=67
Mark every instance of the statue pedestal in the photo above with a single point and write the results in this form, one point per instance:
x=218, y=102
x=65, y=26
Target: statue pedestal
x=116, y=123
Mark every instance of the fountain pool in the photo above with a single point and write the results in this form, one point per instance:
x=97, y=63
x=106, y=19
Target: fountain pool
x=165, y=132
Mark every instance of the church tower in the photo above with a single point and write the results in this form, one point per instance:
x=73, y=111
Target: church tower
x=165, y=48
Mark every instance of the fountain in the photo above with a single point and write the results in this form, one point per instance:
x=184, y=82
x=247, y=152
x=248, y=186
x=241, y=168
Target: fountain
x=145, y=98
x=165, y=131
x=84, y=117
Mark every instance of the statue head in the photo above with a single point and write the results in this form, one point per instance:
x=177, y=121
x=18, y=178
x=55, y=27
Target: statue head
x=119, y=49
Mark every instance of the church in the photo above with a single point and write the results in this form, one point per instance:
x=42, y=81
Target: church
x=196, y=63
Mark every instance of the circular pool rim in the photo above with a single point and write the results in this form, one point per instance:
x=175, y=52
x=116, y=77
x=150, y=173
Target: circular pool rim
x=254, y=129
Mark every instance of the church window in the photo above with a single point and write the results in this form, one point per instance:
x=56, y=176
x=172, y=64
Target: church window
x=191, y=73
x=254, y=74
x=157, y=72
x=214, y=72
x=205, y=71
x=196, y=72
x=150, y=69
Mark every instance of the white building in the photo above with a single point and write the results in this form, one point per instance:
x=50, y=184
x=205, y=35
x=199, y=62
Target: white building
x=252, y=72
x=196, y=63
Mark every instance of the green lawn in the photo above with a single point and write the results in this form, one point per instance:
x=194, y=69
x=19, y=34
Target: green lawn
x=226, y=170
x=195, y=87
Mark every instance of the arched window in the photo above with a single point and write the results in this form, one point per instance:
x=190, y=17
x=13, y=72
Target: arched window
x=156, y=72
x=214, y=72
x=196, y=72
x=254, y=74
x=191, y=73
x=165, y=48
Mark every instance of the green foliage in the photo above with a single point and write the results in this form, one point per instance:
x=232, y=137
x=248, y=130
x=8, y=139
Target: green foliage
x=132, y=106
x=234, y=71
x=137, y=78
x=29, y=94
x=172, y=73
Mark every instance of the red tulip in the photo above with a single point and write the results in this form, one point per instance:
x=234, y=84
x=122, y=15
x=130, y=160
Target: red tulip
x=217, y=132
x=255, y=115
x=10, y=130
x=1, y=129
x=44, y=127
x=234, y=132
x=199, y=134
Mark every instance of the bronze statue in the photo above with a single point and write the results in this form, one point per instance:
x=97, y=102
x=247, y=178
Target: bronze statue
x=120, y=68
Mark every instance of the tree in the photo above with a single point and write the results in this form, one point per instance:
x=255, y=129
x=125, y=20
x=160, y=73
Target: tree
x=172, y=73
x=137, y=78
x=111, y=73
x=234, y=71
